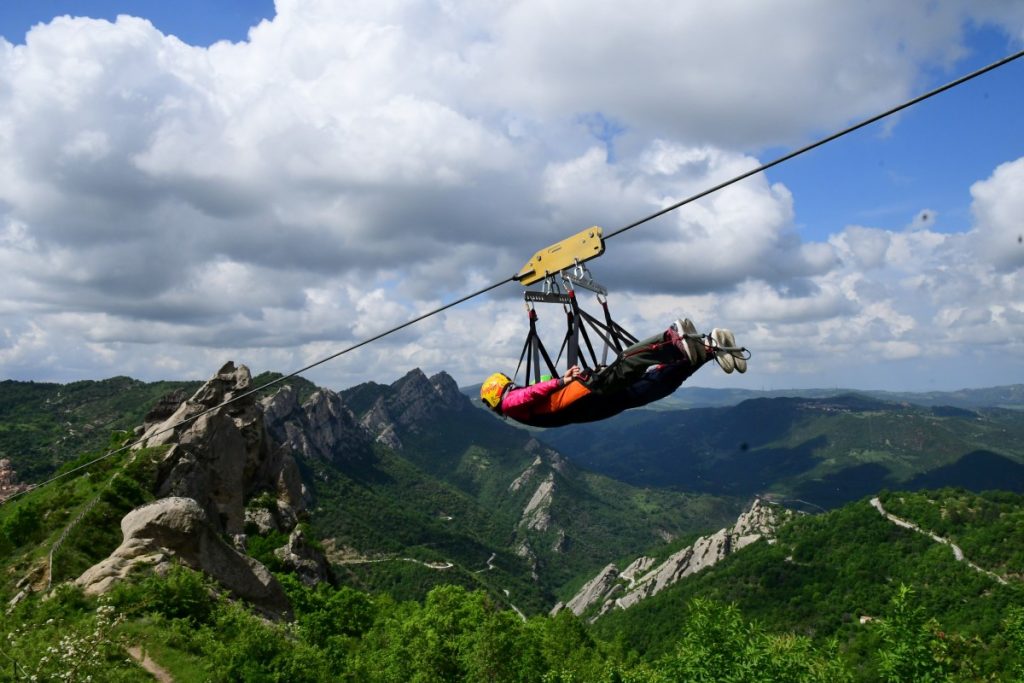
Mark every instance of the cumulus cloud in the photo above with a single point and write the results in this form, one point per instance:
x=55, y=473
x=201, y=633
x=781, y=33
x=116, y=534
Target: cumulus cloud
x=999, y=212
x=945, y=302
x=745, y=74
x=164, y=207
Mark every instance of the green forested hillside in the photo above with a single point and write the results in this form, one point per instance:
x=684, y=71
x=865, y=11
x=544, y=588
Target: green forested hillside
x=825, y=572
x=988, y=526
x=42, y=426
x=444, y=497
x=782, y=612
x=824, y=451
x=449, y=548
x=459, y=491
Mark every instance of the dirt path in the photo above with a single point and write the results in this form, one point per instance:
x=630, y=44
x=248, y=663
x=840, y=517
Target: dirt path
x=440, y=566
x=958, y=553
x=158, y=672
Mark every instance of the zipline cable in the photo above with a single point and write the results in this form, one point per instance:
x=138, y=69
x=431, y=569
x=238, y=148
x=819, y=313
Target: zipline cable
x=819, y=143
x=514, y=278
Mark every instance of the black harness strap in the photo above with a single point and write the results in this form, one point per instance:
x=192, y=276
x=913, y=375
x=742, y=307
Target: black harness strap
x=533, y=351
x=577, y=320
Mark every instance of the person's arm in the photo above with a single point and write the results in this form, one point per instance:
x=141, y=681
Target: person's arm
x=522, y=396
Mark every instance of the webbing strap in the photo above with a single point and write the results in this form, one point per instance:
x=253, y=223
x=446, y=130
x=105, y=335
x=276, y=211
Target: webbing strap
x=533, y=351
x=577, y=321
x=580, y=318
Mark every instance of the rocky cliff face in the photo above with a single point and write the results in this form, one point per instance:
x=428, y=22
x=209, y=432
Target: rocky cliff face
x=612, y=589
x=177, y=529
x=218, y=461
x=410, y=405
x=322, y=428
x=225, y=456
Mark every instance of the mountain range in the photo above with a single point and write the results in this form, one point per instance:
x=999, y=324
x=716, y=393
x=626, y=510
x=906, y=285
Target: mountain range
x=817, y=452
x=402, y=488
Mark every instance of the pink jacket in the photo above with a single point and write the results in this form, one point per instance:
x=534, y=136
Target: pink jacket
x=542, y=399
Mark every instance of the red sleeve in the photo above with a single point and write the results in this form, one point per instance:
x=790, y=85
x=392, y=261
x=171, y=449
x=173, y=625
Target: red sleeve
x=523, y=396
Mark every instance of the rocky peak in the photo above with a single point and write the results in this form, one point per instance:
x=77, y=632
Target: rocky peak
x=226, y=384
x=411, y=404
x=224, y=455
x=643, y=578
x=323, y=427
x=447, y=391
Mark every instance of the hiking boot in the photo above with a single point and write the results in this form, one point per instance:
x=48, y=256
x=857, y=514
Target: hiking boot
x=683, y=334
x=727, y=353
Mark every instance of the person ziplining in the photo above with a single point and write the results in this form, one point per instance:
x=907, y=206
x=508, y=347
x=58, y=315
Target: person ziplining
x=645, y=372
x=642, y=372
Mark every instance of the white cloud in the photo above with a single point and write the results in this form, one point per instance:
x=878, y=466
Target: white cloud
x=744, y=73
x=164, y=207
x=999, y=214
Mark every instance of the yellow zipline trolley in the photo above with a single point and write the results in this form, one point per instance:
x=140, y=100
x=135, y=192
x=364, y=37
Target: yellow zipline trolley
x=561, y=269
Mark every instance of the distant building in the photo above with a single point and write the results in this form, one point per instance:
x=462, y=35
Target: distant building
x=9, y=485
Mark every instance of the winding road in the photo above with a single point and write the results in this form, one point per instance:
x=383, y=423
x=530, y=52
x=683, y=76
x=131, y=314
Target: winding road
x=958, y=553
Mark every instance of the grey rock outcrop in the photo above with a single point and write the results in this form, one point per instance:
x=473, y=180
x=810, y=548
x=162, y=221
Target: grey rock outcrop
x=537, y=486
x=9, y=485
x=537, y=513
x=411, y=405
x=222, y=456
x=165, y=407
x=218, y=458
x=323, y=427
x=612, y=589
x=598, y=589
x=178, y=529
x=306, y=561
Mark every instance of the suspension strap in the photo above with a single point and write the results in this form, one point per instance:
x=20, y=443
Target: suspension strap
x=620, y=335
x=579, y=318
x=533, y=351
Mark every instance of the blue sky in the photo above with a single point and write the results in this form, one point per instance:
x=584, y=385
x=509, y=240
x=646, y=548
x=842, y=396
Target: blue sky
x=338, y=168
x=196, y=23
x=936, y=150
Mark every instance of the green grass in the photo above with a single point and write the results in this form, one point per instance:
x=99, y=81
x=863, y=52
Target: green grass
x=165, y=646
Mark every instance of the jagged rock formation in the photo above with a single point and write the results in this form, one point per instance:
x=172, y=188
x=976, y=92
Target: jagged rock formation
x=612, y=589
x=224, y=457
x=322, y=428
x=540, y=479
x=171, y=529
x=601, y=587
x=164, y=409
x=536, y=514
x=221, y=459
x=410, y=405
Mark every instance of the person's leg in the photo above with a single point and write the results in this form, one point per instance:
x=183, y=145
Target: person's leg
x=656, y=384
x=634, y=362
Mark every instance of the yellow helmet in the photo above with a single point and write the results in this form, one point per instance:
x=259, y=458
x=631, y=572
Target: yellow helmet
x=492, y=389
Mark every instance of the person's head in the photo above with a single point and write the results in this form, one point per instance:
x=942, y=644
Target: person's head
x=493, y=389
